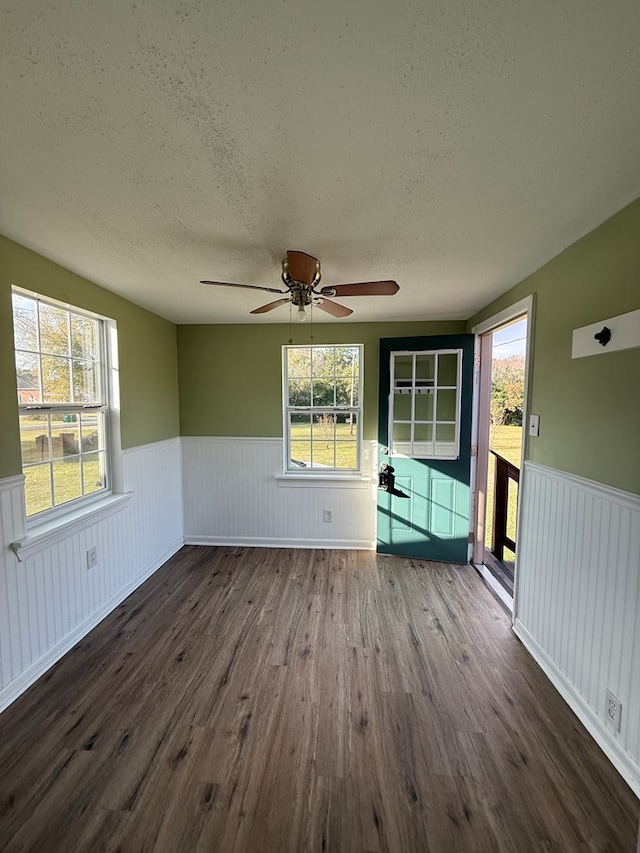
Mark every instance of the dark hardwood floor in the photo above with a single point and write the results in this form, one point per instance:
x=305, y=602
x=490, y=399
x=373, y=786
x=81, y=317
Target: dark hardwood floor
x=274, y=700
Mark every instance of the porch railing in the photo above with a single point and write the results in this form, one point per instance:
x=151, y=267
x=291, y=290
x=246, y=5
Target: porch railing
x=504, y=472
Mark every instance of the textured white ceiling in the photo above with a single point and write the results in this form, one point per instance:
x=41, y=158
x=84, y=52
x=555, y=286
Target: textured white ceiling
x=454, y=146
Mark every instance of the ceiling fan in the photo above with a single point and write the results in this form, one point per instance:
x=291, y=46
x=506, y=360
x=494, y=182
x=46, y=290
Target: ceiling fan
x=301, y=276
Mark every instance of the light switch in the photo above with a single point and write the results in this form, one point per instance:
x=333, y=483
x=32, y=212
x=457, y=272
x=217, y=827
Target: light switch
x=534, y=424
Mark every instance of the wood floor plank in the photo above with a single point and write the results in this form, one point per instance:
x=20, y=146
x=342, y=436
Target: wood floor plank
x=260, y=700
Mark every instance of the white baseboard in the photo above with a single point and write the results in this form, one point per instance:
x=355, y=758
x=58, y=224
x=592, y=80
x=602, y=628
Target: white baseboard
x=10, y=692
x=606, y=740
x=250, y=542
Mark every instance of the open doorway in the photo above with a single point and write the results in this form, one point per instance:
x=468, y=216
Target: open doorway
x=500, y=439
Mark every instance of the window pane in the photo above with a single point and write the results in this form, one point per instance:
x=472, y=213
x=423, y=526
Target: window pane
x=323, y=392
x=346, y=425
x=299, y=392
x=323, y=362
x=403, y=370
x=300, y=454
x=37, y=488
x=346, y=393
x=66, y=480
x=424, y=432
x=347, y=455
x=54, y=329
x=56, y=379
x=323, y=427
x=65, y=436
x=323, y=454
x=445, y=439
x=424, y=407
x=34, y=438
x=423, y=440
x=84, y=338
x=448, y=369
x=85, y=381
x=90, y=432
x=92, y=471
x=425, y=369
x=25, y=333
x=300, y=425
x=446, y=407
x=27, y=378
x=402, y=407
x=401, y=432
x=299, y=362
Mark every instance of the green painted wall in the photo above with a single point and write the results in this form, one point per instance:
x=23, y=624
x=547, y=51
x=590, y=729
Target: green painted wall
x=589, y=407
x=230, y=377
x=147, y=352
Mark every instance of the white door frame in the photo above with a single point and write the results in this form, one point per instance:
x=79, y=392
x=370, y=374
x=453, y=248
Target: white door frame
x=481, y=404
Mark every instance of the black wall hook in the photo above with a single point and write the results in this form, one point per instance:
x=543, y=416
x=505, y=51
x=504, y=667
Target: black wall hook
x=603, y=337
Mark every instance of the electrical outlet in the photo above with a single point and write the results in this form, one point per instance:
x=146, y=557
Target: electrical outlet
x=327, y=515
x=613, y=711
x=92, y=557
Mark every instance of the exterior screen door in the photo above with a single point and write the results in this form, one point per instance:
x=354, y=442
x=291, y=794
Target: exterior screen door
x=424, y=435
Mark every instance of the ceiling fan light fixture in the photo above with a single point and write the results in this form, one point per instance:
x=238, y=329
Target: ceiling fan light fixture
x=301, y=276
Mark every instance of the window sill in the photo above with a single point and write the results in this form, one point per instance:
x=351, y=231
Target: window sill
x=45, y=535
x=334, y=481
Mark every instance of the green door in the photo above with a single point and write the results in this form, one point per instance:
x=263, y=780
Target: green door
x=424, y=434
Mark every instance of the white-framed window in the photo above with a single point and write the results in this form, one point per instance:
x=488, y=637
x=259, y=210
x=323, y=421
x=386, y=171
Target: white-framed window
x=424, y=404
x=63, y=404
x=322, y=394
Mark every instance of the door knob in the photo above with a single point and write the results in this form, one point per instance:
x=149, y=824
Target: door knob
x=387, y=481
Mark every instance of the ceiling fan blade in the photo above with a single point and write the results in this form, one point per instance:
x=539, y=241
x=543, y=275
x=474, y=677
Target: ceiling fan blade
x=362, y=288
x=332, y=308
x=248, y=286
x=270, y=306
x=302, y=267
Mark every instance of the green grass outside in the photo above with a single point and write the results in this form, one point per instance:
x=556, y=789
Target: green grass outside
x=507, y=441
x=68, y=485
x=323, y=445
x=66, y=468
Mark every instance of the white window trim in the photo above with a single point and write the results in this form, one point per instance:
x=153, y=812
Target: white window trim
x=336, y=481
x=44, y=535
x=45, y=528
x=433, y=458
x=349, y=478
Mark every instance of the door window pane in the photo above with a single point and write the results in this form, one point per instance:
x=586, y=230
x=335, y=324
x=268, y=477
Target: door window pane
x=425, y=369
x=424, y=407
x=446, y=405
x=448, y=369
x=403, y=370
x=425, y=395
x=402, y=407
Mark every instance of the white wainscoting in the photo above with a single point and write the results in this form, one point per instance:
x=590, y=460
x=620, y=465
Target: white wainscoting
x=232, y=497
x=577, y=601
x=51, y=600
